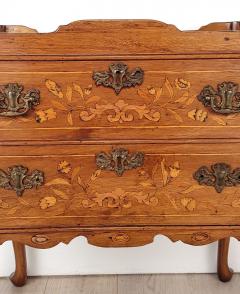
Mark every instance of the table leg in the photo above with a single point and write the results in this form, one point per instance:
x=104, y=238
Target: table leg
x=224, y=272
x=19, y=277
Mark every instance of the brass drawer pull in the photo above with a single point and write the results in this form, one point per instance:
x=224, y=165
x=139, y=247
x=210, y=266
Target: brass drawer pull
x=119, y=160
x=224, y=100
x=118, y=77
x=220, y=176
x=14, y=102
x=16, y=178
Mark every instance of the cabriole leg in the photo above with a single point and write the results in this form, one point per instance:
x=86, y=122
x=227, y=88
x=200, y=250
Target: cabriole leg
x=19, y=277
x=224, y=272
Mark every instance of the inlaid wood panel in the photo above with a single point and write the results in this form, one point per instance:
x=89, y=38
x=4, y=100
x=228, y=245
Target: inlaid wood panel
x=118, y=236
x=77, y=192
x=165, y=105
x=119, y=157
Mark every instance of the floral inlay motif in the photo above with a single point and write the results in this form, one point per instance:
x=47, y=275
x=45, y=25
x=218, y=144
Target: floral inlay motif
x=188, y=203
x=170, y=99
x=120, y=238
x=64, y=167
x=44, y=115
x=146, y=191
x=47, y=202
x=151, y=187
x=162, y=187
x=123, y=112
x=3, y=204
x=182, y=84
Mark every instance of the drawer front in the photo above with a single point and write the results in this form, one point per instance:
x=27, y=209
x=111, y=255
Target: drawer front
x=119, y=185
x=96, y=100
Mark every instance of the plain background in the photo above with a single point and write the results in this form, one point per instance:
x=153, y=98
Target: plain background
x=78, y=257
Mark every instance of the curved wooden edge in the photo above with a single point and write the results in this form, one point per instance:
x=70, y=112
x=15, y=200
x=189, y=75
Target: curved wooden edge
x=19, y=277
x=83, y=25
x=224, y=272
x=221, y=26
x=120, y=236
x=16, y=29
x=89, y=25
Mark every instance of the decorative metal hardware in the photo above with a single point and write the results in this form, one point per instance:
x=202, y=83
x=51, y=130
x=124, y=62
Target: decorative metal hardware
x=14, y=102
x=224, y=100
x=3, y=28
x=220, y=176
x=119, y=160
x=118, y=77
x=17, y=179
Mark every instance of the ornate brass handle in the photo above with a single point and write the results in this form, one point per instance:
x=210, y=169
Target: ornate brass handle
x=16, y=178
x=220, y=176
x=118, y=77
x=224, y=100
x=14, y=102
x=119, y=160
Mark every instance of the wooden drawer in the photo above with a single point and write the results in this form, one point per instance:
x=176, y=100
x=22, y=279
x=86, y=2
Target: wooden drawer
x=164, y=106
x=160, y=189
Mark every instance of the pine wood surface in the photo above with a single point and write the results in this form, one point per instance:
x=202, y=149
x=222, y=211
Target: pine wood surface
x=121, y=37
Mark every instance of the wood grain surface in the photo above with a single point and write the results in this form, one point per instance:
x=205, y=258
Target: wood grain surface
x=165, y=106
x=161, y=191
x=120, y=37
x=76, y=120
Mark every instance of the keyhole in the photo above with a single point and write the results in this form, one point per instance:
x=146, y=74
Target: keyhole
x=118, y=77
x=18, y=181
x=119, y=161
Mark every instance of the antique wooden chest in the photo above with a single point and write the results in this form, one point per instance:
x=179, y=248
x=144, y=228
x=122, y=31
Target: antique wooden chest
x=119, y=131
